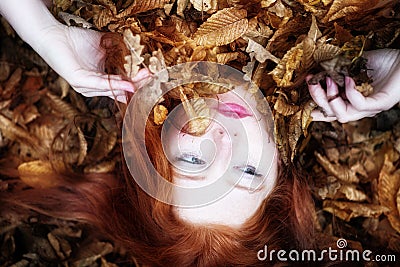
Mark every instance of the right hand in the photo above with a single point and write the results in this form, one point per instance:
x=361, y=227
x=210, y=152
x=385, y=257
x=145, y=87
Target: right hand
x=384, y=68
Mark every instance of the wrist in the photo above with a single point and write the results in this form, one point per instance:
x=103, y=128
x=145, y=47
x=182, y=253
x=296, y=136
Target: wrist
x=31, y=19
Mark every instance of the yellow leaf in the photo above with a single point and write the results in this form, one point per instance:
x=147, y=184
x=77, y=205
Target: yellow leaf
x=388, y=187
x=222, y=28
x=283, y=72
x=160, y=114
x=224, y=58
x=365, y=88
x=40, y=174
x=198, y=113
x=283, y=107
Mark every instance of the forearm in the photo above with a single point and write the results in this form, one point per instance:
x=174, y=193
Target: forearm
x=31, y=19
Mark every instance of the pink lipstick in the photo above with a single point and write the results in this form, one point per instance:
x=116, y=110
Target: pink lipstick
x=233, y=110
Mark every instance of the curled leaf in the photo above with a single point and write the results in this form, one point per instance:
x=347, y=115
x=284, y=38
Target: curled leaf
x=39, y=174
x=198, y=113
x=283, y=72
x=160, y=114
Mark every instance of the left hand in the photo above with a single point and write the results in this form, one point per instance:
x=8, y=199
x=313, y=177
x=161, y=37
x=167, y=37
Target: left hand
x=75, y=54
x=384, y=67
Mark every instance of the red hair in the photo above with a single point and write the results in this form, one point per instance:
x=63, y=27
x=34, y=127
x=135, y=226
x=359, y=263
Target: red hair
x=152, y=232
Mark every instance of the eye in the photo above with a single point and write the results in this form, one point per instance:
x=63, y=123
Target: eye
x=192, y=159
x=250, y=170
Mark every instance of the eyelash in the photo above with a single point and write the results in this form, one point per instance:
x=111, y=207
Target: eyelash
x=250, y=170
x=192, y=159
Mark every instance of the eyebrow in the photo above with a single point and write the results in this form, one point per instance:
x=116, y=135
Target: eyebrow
x=189, y=177
x=246, y=188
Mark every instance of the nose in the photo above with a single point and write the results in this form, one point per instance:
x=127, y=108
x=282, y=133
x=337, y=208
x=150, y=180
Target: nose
x=219, y=134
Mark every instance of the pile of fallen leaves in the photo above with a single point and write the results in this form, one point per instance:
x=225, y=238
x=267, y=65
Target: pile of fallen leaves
x=352, y=167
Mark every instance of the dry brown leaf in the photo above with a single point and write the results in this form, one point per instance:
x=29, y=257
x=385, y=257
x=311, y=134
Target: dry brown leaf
x=197, y=112
x=62, y=107
x=82, y=147
x=388, y=187
x=77, y=21
x=365, y=88
x=209, y=6
x=306, y=117
x=294, y=133
x=341, y=172
x=283, y=107
x=40, y=174
x=160, y=114
x=142, y=6
x=281, y=10
x=349, y=210
x=102, y=167
x=351, y=193
x=348, y=8
x=259, y=52
x=325, y=52
x=224, y=58
x=12, y=83
x=267, y=3
x=222, y=28
x=283, y=72
x=14, y=132
x=104, y=142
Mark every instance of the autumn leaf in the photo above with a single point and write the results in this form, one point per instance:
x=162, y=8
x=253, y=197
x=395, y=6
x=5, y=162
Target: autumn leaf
x=283, y=72
x=389, y=184
x=198, y=113
x=343, y=8
x=349, y=210
x=160, y=114
x=134, y=59
x=222, y=28
x=40, y=174
x=209, y=6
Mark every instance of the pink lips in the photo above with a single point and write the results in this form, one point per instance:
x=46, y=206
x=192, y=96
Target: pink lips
x=233, y=110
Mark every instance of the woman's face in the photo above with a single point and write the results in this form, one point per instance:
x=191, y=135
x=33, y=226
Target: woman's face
x=236, y=150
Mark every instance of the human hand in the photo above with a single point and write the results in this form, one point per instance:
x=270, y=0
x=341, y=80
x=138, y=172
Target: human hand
x=76, y=55
x=384, y=68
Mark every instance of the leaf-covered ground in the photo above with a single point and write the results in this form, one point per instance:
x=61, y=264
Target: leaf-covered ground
x=352, y=168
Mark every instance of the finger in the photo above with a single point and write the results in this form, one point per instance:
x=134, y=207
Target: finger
x=319, y=96
x=345, y=112
x=332, y=90
x=317, y=115
x=98, y=81
x=121, y=99
x=92, y=93
x=375, y=102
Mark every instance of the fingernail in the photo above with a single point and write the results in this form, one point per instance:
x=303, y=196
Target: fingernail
x=328, y=82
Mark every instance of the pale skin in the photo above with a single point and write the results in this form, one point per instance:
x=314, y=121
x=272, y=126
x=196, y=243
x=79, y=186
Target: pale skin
x=74, y=53
x=384, y=68
x=237, y=150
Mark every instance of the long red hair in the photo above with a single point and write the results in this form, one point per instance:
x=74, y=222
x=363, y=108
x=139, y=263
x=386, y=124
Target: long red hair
x=151, y=231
